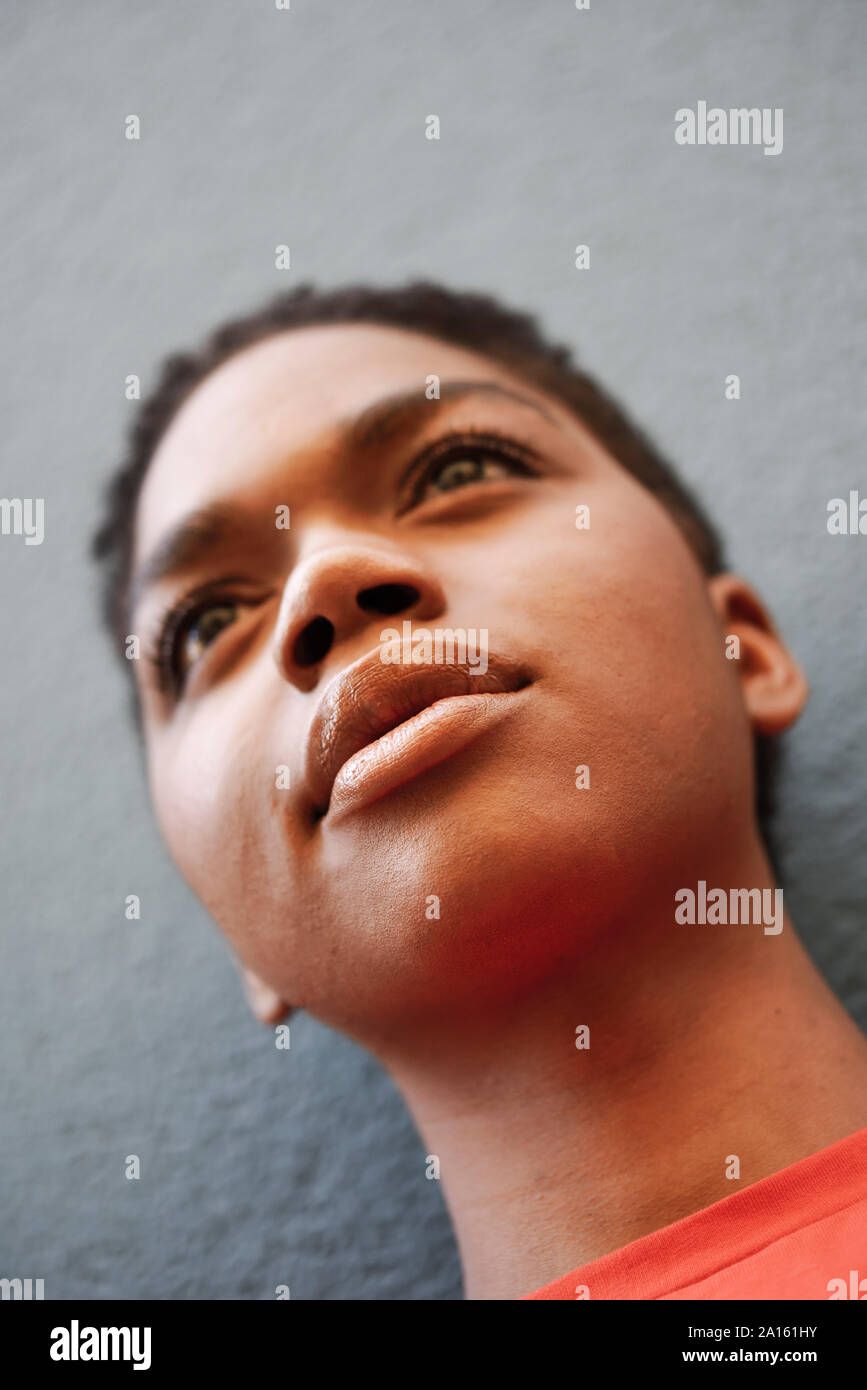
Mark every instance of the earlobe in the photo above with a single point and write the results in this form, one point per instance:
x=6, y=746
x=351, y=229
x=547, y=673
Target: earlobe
x=267, y=1005
x=774, y=687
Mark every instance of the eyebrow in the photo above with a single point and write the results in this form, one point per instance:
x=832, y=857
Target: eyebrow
x=394, y=416
x=193, y=537
x=400, y=413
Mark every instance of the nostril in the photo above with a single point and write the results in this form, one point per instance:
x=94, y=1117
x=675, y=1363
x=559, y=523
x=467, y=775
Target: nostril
x=313, y=643
x=388, y=598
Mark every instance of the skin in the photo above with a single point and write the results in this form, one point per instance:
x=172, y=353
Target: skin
x=556, y=904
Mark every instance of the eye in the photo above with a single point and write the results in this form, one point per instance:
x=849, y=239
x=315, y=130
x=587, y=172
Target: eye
x=185, y=635
x=459, y=471
x=455, y=464
x=199, y=631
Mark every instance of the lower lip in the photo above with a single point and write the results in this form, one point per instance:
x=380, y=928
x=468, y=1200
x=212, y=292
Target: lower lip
x=426, y=739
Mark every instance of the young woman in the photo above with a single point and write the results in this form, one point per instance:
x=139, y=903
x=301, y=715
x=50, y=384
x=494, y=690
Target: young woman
x=457, y=723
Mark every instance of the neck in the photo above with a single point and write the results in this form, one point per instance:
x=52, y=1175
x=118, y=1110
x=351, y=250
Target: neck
x=705, y=1041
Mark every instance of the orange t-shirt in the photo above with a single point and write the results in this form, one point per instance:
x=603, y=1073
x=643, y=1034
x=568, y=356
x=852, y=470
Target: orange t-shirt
x=800, y=1233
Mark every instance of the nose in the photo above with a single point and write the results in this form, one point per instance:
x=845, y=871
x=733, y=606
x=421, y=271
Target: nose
x=336, y=593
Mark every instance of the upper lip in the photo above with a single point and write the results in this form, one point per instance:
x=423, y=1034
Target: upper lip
x=370, y=697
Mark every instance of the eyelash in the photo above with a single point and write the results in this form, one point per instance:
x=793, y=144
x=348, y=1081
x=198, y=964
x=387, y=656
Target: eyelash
x=471, y=444
x=162, y=655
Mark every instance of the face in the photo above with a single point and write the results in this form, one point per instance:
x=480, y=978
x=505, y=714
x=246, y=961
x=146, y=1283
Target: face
x=386, y=840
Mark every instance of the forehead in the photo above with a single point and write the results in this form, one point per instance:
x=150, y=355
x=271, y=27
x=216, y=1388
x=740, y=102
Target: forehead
x=282, y=397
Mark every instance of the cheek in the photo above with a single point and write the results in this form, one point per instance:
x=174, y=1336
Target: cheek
x=208, y=787
x=618, y=618
x=626, y=593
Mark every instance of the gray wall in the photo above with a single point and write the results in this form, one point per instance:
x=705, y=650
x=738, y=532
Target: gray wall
x=306, y=127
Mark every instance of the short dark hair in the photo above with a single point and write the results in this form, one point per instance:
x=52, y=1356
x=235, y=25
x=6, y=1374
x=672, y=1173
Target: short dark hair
x=475, y=321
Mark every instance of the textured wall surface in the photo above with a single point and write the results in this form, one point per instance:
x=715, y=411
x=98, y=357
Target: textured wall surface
x=307, y=127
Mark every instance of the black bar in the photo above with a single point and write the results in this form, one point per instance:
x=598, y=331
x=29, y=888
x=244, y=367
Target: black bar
x=642, y=1337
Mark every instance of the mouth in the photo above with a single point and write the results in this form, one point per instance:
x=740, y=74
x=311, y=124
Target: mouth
x=378, y=725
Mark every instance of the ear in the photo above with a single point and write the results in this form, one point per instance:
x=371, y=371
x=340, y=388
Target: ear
x=266, y=1004
x=774, y=687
